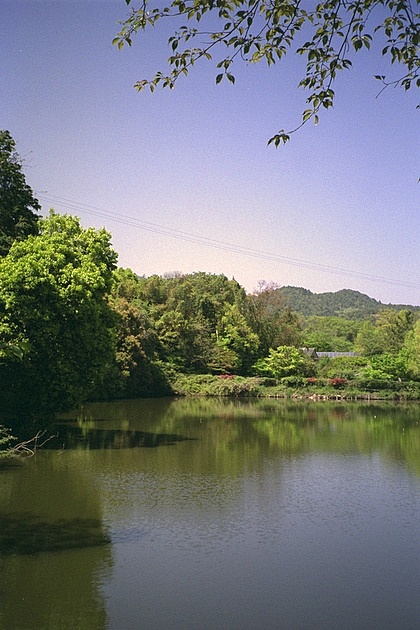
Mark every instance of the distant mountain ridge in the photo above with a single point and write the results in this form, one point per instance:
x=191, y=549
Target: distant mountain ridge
x=344, y=303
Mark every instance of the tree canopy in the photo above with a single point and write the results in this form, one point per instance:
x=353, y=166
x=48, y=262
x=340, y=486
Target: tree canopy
x=326, y=34
x=18, y=206
x=52, y=299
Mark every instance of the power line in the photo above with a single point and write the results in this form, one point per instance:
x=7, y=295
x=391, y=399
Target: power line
x=221, y=245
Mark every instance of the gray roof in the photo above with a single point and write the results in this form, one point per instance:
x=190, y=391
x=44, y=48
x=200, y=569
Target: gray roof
x=333, y=355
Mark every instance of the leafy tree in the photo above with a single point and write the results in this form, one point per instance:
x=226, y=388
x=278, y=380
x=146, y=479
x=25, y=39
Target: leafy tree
x=16, y=350
x=393, y=327
x=411, y=351
x=53, y=289
x=135, y=371
x=283, y=361
x=330, y=334
x=274, y=322
x=369, y=341
x=127, y=285
x=237, y=337
x=385, y=367
x=189, y=314
x=386, y=334
x=343, y=367
x=18, y=206
x=324, y=33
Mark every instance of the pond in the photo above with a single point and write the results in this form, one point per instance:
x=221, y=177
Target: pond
x=216, y=514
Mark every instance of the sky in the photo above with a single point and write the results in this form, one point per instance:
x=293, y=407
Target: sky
x=184, y=180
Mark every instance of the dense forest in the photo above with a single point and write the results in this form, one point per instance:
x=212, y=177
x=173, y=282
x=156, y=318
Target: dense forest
x=75, y=327
x=345, y=303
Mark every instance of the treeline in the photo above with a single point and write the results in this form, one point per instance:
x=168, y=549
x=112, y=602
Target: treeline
x=73, y=327
x=206, y=324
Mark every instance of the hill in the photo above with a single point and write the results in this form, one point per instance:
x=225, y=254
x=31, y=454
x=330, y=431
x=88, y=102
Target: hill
x=345, y=303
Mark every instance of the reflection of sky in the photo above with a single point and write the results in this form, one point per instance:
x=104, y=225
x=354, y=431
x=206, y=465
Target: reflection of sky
x=342, y=194
x=310, y=541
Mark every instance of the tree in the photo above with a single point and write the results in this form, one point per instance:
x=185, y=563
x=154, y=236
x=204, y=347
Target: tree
x=335, y=334
x=237, y=339
x=325, y=33
x=135, y=371
x=411, y=351
x=53, y=289
x=386, y=367
x=274, y=322
x=283, y=361
x=393, y=327
x=18, y=206
x=369, y=340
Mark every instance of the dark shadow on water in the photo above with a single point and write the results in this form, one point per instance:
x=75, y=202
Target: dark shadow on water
x=27, y=534
x=9, y=464
x=70, y=437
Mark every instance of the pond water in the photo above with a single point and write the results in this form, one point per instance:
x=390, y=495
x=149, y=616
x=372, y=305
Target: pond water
x=216, y=514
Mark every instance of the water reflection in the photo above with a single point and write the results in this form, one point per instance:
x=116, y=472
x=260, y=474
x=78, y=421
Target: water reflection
x=221, y=514
x=29, y=534
x=85, y=436
x=264, y=426
x=55, y=548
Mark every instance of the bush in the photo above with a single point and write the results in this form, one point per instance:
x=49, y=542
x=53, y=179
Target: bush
x=338, y=382
x=343, y=367
x=293, y=381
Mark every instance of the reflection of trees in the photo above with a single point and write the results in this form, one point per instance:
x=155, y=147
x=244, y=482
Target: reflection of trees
x=54, y=547
x=234, y=432
x=27, y=534
x=74, y=437
x=53, y=590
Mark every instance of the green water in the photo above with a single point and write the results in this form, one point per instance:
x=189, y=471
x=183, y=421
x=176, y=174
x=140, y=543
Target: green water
x=207, y=514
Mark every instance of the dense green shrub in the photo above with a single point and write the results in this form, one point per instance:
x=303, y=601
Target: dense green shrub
x=293, y=381
x=343, y=367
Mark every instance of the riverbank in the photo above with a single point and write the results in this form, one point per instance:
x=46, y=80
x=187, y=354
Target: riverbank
x=294, y=388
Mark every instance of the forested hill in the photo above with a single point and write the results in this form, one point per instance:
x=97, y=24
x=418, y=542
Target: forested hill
x=345, y=303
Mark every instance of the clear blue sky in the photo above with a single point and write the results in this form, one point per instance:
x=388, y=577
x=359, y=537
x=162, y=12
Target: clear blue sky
x=183, y=179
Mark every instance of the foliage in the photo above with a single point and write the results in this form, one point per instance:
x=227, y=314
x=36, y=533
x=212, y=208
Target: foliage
x=52, y=297
x=272, y=319
x=344, y=367
x=393, y=327
x=283, y=361
x=205, y=324
x=16, y=350
x=236, y=337
x=18, y=206
x=338, y=382
x=387, y=333
x=6, y=441
x=135, y=370
x=346, y=303
x=200, y=320
x=295, y=386
x=369, y=341
x=386, y=366
x=330, y=334
x=326, y=34
x=217, y=385
x=410, y=351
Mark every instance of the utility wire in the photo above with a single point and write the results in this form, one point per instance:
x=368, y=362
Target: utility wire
x=222, y=245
